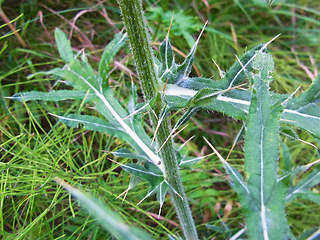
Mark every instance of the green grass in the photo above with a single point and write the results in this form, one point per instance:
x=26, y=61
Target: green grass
x=34, y=148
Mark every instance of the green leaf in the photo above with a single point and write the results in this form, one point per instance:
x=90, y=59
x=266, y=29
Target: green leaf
x=64, y=46
x=92, y=123
x=239, y=185
x=235, y=75
x=153, y=176
x=81, y=76
x=310, y=234
x=161, y=191
x=285, y=159
x=307, y=117
x=143, y=173
x=184, y=69
x=170, y=72
x=235, y=103
x=115, y=104
x=304, y=185
x=198, y=83
x=109, y=53
x=97, y=124
x=76, y=76
x=126, y=153
x=107, y=218
x=261, y=153
x=166, y=54
x=309, y=96
x=168, y=67
x=190, y=161
x=203, y=97
x=304, y=111
x=308, y=195
x=53, y=95
x=85, y=79
x=133, y=99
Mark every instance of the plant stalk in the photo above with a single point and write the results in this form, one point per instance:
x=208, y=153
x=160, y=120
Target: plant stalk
x=138, y=35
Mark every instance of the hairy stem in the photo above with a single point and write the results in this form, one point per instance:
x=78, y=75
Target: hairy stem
x=136, y=27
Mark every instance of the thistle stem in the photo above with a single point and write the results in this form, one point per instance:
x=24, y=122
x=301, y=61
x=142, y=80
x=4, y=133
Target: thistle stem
x=137, y=31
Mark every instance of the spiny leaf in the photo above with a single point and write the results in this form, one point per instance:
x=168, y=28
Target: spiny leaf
x=307, y=117
x=109, y=53
x=53, y=95
x=75, y=75
x=161, y=192
x=89, y=81
x=166, y=54
x=204, y=97
x=308, y=195
x=126, y=153
x=168, y=66
x=235, y=75
x=235, y=103
x=97, y=124
x=168, y=70
x=79, y=74
x=92, y=123
x=304, y=185
x=153, y=176
x=304, y=110
x=309, y=96
x=190, y=161
x=198, y=83
x=261, y=153
x=143, y=173
x=310, y=234
x=101, y=108
x=107, y=218
x=64, y=46
x=184, y=69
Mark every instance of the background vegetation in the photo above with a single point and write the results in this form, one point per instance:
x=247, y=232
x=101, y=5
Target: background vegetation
x=34, y=147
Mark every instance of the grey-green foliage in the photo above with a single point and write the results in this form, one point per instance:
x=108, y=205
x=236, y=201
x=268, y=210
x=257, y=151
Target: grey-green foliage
x=122, y=123
x=92, y=88
x=185, y=91
x=302, y=188
x=304, y=111
x=262, y=193
x=265, y=217
x=53, y=95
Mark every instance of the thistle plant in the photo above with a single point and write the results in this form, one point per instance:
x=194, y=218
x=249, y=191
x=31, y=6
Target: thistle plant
x=168, y=86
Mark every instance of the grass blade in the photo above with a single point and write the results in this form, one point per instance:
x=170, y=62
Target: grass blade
x=107, y=218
